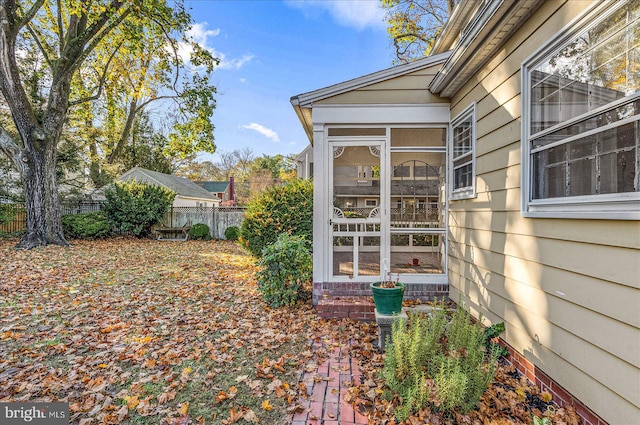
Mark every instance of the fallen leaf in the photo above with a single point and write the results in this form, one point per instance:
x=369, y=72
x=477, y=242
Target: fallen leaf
x=266, y=405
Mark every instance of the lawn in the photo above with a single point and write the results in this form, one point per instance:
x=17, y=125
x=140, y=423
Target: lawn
x=145, y=332
x=141, y=331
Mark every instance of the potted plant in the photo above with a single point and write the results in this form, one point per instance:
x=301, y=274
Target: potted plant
x=387, y=295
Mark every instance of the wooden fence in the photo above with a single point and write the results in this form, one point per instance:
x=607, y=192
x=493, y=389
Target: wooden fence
x=218, y=219
x=17, y=215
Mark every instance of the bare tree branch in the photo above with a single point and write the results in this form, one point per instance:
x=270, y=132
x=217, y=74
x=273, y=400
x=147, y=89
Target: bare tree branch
x=101, y=80
x=30, y=13
x=60, y=25
x=39, y=42
x=98, y=38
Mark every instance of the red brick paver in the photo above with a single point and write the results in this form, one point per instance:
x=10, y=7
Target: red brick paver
x=327, y=387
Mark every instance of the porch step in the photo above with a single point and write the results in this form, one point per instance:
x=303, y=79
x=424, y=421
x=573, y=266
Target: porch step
x=356, y=308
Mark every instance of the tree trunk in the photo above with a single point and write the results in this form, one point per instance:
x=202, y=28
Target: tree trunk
x=44, y=225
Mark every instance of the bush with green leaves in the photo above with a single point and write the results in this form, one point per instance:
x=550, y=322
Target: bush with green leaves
x=135, y=207
x=232, y=233
x=7, y=213
x=438, y=361
x=199, y=231
x=284, y=208
x=286, y=266
x=89, y=225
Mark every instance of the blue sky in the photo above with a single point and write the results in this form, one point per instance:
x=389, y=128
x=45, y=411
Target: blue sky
x=272, y=50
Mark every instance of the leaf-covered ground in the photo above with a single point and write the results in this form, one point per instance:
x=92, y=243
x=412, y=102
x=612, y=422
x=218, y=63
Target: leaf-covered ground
x=141, y=331
x=146, y=332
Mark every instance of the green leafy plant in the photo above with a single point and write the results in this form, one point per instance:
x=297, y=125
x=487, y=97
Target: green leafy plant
x=438, y=361
x=199, y=231
x=285, y=208
x=90, y=225
x=541, y=421
x=135, y=207
x=7, y=213
x=232, y=233
x=492, y=333
x=286, y=266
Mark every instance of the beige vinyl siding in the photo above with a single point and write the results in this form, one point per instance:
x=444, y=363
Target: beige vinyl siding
x=568, y=290
x=407, y=89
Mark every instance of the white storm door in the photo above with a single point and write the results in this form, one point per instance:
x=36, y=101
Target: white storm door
x=356, y=194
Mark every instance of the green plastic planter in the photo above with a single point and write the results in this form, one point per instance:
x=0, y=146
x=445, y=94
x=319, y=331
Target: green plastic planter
x=388, y=300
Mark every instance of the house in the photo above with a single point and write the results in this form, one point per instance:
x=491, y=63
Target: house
x=304, y=163
x=221, y=189
x=189, y=194
x=506, y=164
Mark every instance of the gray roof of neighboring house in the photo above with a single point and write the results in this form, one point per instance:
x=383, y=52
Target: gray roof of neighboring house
x=215, y=186
x=183, y=187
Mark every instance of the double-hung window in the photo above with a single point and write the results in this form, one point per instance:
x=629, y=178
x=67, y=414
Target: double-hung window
x=581, y=119
x=463, y=140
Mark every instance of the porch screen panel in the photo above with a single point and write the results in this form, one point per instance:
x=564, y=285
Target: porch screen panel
x=416, y=190
x=355, y=211
x=416, y=212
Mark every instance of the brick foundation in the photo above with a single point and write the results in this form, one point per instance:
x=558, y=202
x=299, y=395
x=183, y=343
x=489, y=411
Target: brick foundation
x=560, y=396
x=346, y=290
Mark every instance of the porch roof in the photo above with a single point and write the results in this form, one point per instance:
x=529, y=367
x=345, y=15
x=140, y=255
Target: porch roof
x=303, y=103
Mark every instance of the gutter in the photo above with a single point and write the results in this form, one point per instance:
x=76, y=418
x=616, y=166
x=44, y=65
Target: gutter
x=446, y=73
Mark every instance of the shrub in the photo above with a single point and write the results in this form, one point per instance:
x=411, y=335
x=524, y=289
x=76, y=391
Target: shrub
x=135, y=207
x=287, y=208
x=90, y=225
x=232, y=233
x=286, y=266
x=438, y=362
x=199, y=231
x=7, y=213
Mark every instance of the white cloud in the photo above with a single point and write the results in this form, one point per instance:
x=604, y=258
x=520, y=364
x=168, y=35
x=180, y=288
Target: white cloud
x=232, y=63
x=266, y=132
x=358, y=14
x=203, y=36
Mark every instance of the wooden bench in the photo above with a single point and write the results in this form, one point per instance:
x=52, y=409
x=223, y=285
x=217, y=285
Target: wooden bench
x=174, y=233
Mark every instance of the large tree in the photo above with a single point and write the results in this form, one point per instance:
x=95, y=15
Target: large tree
x=413, y=25
x=62, y=36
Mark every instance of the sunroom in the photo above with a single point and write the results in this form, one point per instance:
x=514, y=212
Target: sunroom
x=380, y=181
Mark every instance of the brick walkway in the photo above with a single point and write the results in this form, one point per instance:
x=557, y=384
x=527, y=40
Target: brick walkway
x=326, y=388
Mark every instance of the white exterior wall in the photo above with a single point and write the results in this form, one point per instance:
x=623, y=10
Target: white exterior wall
x=180, y=201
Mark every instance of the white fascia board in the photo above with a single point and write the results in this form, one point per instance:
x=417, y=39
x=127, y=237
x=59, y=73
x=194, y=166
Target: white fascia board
x=435, y=113
x=308, y=99
x=195, y=198
x=480, y=22
x=455, y=25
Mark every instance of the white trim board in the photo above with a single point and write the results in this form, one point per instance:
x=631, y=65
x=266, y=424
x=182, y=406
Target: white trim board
x=387, y=115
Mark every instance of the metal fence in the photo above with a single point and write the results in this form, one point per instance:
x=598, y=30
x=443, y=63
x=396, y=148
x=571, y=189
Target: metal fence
x=218, y=219
x=80, y=207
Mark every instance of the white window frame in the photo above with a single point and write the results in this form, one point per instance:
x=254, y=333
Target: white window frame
x=469, y=191
x=618, y=206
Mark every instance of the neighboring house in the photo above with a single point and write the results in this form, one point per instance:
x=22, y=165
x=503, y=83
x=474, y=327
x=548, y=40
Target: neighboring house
x=507, y=163
x=220, y=189
x=304, y=163
x=189, y=194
